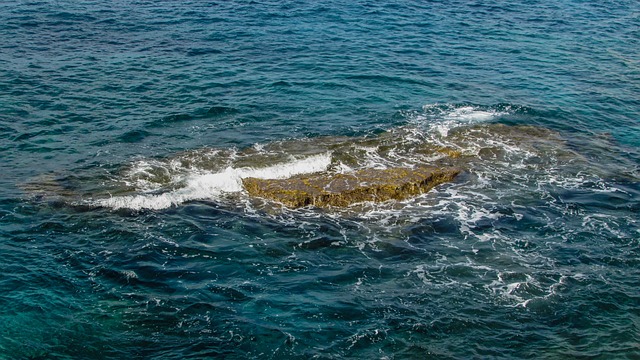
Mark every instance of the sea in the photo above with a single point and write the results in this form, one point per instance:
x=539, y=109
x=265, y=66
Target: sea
x=128, y=126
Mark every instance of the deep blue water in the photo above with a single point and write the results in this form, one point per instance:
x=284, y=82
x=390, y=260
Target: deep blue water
x=127, y=126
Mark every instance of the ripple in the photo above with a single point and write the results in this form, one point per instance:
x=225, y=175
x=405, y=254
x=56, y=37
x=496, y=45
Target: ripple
x=158, y=107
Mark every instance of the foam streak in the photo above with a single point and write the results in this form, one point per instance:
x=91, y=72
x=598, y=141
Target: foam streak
x=212, y=185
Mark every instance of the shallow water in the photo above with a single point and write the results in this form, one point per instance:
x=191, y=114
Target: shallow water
x=127, y=129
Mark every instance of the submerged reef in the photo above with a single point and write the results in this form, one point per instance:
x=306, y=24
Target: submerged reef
x=324, y=171
x=324, y=189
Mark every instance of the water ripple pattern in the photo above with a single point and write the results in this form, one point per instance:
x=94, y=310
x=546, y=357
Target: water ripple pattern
x=126, y=128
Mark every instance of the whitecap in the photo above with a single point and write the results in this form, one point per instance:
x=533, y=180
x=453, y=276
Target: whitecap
x=201, y=186
x=440, y=119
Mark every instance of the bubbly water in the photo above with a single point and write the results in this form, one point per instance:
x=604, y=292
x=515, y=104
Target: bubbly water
x=127, y=127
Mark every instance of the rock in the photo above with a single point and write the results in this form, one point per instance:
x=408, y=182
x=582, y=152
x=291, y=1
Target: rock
x=324, y=189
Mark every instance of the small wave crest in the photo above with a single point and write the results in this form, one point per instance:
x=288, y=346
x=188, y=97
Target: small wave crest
x=201, y=186
x=441, y=118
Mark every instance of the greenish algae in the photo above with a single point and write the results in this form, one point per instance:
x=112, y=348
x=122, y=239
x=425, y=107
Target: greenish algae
x=324, y=189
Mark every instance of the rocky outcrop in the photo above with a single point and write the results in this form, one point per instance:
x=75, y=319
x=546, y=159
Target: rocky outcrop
x=324, y=189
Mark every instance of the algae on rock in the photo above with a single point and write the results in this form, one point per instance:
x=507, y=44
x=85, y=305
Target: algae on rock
x=324, y=189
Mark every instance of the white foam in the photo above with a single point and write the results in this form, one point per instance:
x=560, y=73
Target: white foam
x=470, y=114
x=306, y=165
x=452, y=117
x=141, y=175
x=372, y=158
x=211, y=185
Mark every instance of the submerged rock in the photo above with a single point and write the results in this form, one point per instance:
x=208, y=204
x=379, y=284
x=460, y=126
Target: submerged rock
x=324, y=189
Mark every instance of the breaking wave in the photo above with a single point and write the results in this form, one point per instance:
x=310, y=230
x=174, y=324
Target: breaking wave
x=211, y=173
x=501, y=162
x=209, y=185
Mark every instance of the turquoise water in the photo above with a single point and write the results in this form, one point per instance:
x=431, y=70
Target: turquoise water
x=127, y=127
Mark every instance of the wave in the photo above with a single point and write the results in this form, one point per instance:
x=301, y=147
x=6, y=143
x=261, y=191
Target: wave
x=442, y=118
x=208, y=173
x=210, y=185
x=502, y=160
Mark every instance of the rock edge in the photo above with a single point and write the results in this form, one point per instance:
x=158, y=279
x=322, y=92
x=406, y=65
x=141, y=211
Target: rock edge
x=323, y=189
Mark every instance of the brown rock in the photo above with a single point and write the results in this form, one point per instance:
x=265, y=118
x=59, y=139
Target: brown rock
x=324, y=189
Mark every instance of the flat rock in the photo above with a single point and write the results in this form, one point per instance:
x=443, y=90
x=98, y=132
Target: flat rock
x=324, y=189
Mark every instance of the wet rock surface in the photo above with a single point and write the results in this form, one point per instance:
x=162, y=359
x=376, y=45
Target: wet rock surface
x=324, y=189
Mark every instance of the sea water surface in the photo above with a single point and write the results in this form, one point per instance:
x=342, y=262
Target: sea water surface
x=126, y=128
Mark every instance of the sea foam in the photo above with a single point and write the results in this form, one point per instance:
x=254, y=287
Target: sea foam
x=201, y=186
